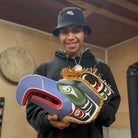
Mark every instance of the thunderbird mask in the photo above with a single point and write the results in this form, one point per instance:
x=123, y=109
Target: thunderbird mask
x=77, y=98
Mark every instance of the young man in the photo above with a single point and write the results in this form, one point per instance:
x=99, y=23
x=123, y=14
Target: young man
x=71, y=31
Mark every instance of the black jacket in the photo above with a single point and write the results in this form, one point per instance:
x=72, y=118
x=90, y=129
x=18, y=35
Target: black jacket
x=37, y=117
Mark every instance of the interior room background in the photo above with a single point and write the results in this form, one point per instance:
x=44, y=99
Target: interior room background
x=41, y=47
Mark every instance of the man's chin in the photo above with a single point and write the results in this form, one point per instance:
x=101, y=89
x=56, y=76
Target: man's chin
x=71, y=53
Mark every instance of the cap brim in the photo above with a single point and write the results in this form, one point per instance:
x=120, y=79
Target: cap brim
x=56, y=30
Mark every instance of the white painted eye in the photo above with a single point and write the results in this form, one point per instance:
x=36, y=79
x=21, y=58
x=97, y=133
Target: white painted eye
x=77, y=112
x=68, y=90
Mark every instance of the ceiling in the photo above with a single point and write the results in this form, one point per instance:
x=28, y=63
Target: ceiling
x=112, y=21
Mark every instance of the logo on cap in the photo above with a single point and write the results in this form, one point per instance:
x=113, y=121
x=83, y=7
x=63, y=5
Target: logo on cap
x=70, y=13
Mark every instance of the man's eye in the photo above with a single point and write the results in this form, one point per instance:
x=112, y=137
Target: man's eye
x=76, y=31
x=64, y=32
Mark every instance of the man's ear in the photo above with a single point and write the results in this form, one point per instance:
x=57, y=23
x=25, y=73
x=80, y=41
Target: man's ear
x=85, y=34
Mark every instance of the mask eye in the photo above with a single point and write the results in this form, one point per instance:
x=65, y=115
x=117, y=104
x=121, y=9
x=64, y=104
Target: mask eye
x=77, y=113
x=68, y=90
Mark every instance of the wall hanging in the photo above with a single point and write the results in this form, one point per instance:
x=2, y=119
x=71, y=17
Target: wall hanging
x=16, y=62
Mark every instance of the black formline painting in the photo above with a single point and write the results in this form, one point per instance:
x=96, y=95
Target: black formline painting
x=2, y=99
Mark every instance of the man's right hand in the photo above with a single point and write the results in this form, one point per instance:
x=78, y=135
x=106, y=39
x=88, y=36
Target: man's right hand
x=55, y=122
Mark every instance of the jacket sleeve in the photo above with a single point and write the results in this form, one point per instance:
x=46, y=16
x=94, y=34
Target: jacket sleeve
x=107, y=114
x=37, y=116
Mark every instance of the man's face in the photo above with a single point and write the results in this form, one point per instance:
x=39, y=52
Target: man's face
x=71, y=37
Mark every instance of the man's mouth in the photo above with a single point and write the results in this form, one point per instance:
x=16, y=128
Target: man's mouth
x=71, y=45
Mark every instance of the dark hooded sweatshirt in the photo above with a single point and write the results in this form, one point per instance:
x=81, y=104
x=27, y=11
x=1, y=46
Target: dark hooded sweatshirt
x=37, y=117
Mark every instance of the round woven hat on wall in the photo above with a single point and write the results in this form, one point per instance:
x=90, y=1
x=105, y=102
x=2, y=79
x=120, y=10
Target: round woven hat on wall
x=15, y=63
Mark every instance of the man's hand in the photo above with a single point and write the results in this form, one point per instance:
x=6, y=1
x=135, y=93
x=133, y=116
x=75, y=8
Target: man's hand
x=53, y=120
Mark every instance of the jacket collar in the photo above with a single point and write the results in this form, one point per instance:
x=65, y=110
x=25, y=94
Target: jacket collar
x=61, y=54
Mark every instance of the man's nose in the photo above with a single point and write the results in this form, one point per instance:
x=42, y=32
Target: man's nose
x=70, y=35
